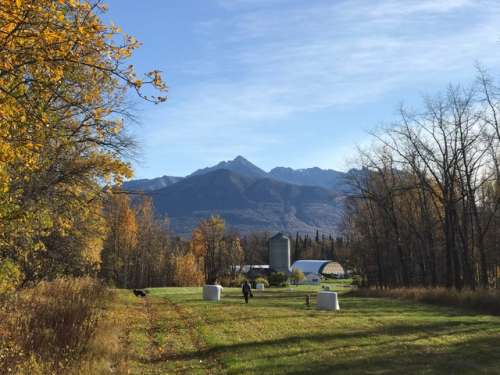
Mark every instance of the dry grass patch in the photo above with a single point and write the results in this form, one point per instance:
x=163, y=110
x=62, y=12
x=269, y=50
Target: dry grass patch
x=49, y=328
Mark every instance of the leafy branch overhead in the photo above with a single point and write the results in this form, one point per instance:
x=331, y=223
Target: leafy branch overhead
x=64, y=78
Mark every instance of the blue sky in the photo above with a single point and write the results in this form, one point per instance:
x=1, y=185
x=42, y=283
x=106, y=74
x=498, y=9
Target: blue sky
x=294, y=82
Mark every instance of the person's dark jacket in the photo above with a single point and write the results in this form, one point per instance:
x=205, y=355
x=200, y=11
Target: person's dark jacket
x=246, y=289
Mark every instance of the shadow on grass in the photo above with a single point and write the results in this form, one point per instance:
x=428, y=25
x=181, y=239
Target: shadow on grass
x=459, y=358
x=377, y=349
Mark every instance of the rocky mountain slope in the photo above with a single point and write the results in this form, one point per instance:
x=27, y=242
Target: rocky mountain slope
x=250, y=199
x=247, y=203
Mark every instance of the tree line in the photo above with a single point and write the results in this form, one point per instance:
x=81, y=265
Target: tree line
x=139, y=250
x=426, y=207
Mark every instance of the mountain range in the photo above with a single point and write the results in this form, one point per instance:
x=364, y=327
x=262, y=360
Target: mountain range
x=151, y=184
x=249, y=198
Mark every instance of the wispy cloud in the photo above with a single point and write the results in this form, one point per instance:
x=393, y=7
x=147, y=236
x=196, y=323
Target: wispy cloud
x=265, y=61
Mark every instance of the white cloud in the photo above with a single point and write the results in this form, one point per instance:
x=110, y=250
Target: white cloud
x=409, y=7
x=269, y=63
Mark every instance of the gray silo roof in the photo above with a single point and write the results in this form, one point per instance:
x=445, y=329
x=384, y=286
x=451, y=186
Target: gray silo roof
x=279, y=235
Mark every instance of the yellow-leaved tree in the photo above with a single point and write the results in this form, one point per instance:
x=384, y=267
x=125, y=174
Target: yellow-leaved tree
x=121, y=241
x=64, y=76
x=217, y=253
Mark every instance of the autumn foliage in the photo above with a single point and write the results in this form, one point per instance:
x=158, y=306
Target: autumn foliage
x=139, y=250
x=187, y=271
x=64, y=78
x=218, y=251
x=64, y=75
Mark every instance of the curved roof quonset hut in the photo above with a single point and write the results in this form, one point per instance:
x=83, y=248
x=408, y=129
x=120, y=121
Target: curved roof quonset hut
x=322, y=267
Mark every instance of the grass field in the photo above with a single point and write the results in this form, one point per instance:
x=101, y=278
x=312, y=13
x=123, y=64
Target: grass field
x=174, y=331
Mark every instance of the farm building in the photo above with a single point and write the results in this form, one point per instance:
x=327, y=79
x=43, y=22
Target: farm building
x=279, y=253
x=319, y=267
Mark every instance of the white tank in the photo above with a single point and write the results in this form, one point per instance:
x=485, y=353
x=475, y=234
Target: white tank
x=279, y=253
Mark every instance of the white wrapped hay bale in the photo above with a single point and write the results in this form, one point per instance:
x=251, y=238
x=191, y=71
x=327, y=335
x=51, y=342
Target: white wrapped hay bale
x=259, y=286
x=327, y=301
x=212, y=292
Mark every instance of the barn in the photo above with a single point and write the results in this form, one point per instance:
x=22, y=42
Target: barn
x=319, y=267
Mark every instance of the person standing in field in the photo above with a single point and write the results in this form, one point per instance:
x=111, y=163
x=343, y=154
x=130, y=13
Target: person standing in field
x=247, y=291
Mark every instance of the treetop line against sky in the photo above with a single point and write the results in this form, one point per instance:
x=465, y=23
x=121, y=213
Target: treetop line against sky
x=293, y=82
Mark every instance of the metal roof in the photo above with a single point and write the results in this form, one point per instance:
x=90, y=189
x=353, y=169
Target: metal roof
x=279, y=235
x=311, y=266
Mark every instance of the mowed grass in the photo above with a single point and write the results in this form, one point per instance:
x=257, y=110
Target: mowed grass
x=174, y=331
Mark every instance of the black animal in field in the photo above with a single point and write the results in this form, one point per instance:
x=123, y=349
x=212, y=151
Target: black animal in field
x=139, y=293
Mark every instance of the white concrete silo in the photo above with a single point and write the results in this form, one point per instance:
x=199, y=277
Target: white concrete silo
x=279, y=253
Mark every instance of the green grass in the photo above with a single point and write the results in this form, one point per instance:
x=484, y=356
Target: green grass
x=276, y=333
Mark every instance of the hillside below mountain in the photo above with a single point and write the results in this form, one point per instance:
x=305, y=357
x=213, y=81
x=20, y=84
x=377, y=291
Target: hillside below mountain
x=247, y=204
